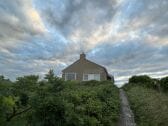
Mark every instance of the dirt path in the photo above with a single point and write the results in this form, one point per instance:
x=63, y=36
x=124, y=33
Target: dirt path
x=126, y=116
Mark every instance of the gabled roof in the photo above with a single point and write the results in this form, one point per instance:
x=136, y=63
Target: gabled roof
x=82, y=58
x=71, y=65
x=98, y=65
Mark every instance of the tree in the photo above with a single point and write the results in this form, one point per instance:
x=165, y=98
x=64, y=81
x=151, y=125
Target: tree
x=2, y=78
x=26, y=84
x=50, y=76
x=21, y=91
x=4, y=81
x=56, y=82
x=11, y=105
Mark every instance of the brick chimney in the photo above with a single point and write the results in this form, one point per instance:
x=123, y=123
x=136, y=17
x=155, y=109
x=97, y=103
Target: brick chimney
x=82, y=56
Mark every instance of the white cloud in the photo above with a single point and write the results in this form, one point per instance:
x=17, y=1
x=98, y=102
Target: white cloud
x=127, y=37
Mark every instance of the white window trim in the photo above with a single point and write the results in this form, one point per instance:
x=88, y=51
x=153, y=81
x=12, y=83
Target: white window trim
x=99, y=77
x=69, y=73
x=84, y=77
x=91, y=74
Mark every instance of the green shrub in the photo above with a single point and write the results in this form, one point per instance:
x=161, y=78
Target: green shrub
x=142, y=80
x=54, y=102
x=164, y=84
x=149, y=106
x=91, y=103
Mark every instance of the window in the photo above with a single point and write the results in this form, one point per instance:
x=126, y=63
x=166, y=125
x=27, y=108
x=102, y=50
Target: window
x=70, y=76
x=87, y=77
x=97, y=77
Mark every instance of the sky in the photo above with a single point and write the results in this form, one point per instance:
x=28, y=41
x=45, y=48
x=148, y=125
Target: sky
x=128, y=37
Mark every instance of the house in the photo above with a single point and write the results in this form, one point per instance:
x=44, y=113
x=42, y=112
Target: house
x=84, y=70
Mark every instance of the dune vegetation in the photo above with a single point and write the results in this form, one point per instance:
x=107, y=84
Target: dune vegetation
x=149, y=100
x=53, y=102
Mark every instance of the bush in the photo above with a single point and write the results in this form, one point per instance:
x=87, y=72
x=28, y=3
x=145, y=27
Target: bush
x=91, y=103
x=164, y=84
x=48, y=111
x=150, y=107
x=54, y=102
x=144, y=81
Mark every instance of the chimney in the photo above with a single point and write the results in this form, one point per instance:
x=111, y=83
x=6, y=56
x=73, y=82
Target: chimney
x=82, y=56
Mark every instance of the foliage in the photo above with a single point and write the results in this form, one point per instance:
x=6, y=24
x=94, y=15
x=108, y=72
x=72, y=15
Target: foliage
x=146, y=81
x=142, y=80
x=149, y=106
x=148, y=100
x=54, y=102
x=50, y=76
x=164, y=84
x=97, y=104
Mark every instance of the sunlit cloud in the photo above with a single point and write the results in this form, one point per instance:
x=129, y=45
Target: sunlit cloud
x=128, y=37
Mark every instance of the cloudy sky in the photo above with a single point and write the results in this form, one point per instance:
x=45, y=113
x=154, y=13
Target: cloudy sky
x=129, y=37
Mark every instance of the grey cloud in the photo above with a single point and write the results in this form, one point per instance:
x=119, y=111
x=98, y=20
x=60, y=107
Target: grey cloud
x=14, y=23
x=123, y=57
x=121, y=52
x=131, y=58
x=152, y=17
x=77, y=14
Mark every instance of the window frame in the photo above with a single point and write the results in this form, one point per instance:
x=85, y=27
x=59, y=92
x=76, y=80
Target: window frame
x=84, y=79
x=70, y=73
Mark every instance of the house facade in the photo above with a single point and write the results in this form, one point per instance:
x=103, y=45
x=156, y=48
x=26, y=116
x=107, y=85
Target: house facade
x=85, y=70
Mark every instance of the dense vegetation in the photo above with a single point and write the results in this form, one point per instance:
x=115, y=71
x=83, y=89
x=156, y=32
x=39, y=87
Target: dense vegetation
x=149, y=100
x=160, y=85
x=54, y=102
